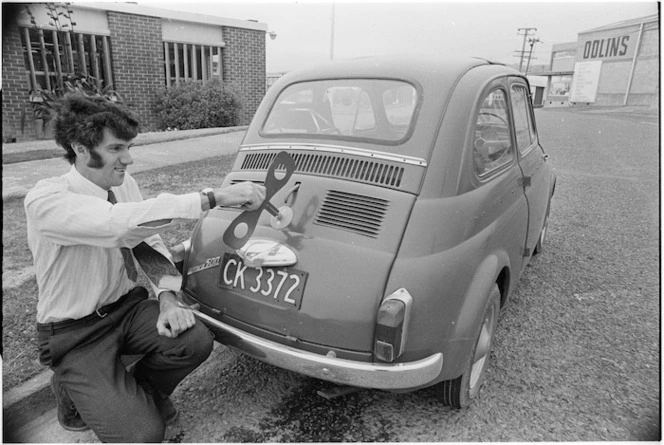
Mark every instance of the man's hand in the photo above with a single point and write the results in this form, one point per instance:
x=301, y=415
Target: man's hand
x=173, y=318
x=245, y=194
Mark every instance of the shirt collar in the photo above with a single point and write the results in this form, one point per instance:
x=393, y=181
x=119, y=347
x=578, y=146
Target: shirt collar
x=83, y=185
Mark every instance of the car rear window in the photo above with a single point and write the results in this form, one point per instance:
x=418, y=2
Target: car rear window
x=350, y=109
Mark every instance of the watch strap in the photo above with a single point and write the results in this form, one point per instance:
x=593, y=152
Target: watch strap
x=211, y=199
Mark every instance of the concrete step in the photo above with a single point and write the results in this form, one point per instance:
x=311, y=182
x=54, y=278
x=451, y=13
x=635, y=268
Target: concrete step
x=47, y=429
x=29, y=413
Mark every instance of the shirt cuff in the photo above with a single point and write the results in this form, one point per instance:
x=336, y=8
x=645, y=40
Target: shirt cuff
x=159, y=291
x=191, y=204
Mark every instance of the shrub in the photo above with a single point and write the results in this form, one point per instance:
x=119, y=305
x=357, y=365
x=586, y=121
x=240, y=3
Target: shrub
x=195, y=104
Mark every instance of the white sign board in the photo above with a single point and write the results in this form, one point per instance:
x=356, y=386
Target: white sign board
x=586, y=81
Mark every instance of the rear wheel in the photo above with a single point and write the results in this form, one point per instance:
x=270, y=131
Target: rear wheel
x=461, y=391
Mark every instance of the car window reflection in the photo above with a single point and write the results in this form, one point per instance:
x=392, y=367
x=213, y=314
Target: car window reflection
x=492, y=146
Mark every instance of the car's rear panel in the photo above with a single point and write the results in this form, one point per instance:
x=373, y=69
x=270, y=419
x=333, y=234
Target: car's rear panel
x=350, y=211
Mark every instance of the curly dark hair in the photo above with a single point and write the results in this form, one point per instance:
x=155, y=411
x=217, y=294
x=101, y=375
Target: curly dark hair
x=82, y=119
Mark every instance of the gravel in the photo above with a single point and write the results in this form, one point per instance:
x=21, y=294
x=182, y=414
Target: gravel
x=577, y=350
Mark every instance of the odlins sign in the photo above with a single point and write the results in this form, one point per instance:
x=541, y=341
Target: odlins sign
x=612, y=47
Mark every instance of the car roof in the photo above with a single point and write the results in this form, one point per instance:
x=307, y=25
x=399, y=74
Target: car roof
x=418, y=67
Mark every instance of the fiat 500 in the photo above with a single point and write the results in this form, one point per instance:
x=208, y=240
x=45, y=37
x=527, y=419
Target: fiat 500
x=405, y=199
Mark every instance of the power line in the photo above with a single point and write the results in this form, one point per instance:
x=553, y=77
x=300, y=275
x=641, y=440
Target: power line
x=532, y=41
x=526, y=33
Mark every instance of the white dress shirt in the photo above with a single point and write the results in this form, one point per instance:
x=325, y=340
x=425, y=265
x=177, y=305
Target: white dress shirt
x=75, y=236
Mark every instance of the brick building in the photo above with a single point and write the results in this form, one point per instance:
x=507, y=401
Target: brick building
x=135, y=50
x=613, y=65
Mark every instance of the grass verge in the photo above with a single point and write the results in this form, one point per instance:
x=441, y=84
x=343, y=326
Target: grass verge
x=19, y=304
x=46, y=149
x=32, y=155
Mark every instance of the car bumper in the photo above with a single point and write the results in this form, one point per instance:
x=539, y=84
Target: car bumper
x=387, y=376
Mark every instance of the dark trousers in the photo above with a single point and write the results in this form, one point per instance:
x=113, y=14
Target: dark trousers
x=86, y=361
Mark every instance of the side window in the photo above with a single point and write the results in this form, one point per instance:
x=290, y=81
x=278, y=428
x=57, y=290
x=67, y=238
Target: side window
x=492, y=147
x=525, y=133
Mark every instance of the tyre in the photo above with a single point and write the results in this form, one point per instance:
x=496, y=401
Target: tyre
x=540, y=241
x=460, y=392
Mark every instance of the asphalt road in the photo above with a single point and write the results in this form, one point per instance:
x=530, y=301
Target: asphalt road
x=577, y=353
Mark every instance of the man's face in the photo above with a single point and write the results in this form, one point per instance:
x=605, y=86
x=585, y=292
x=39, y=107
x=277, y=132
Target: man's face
x=105, y=164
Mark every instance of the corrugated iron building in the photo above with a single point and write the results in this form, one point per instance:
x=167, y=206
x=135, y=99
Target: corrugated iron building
x=613, y=65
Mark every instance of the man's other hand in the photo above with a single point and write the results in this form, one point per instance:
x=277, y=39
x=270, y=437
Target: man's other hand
x=173, y=318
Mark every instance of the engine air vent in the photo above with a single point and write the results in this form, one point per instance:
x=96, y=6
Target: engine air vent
x=359, y=214
x=341, y=166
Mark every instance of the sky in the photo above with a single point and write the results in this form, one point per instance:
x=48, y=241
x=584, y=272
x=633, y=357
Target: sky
x=488, y=29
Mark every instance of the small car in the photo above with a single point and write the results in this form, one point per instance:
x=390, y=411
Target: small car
x=405, y=199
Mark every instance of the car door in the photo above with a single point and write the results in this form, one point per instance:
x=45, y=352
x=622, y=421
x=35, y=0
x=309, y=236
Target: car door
x=499, y=179
x=531, y=160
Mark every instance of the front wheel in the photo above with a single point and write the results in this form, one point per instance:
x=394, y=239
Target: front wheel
x=461, y=391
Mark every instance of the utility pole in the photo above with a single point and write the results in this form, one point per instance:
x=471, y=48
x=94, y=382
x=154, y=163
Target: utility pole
x=532, y=41
x=526, y=33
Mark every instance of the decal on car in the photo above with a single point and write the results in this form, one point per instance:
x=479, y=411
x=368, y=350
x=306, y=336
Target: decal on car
x=208, y=264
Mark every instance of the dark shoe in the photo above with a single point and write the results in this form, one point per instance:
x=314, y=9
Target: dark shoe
x=169, y=413
x=68, y=416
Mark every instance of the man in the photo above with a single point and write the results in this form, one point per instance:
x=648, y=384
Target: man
x=81, y=229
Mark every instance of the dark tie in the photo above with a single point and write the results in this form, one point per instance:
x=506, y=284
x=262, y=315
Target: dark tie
x=154, y=264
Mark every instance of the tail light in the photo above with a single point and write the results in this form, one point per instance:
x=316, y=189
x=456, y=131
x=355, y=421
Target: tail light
x=392, y=325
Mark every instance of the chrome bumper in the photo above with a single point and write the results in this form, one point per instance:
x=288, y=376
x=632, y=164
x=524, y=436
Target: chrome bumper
x=343, y=372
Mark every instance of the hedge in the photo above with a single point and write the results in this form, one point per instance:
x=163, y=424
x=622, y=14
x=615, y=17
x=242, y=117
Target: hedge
x=194, y=104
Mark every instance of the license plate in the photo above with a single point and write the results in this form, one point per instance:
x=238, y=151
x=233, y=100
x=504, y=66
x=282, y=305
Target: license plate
x=283, y=285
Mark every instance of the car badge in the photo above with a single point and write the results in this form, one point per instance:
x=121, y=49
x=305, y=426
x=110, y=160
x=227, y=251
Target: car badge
x=208, y=264
x=266, y=253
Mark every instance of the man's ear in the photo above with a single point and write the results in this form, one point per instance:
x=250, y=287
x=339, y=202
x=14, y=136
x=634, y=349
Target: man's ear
x=80, y=150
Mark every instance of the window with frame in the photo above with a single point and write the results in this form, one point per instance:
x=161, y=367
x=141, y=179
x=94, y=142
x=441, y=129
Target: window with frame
x=492, y=145
x=523, y=124
x=564, y=54
x=53, y=57
x=188, y=61
x=370, y=110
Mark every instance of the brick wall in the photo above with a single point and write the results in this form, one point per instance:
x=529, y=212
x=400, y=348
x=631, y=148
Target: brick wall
x=244, y=67
x=15, y=88
x=137, y=58
x=138, y=63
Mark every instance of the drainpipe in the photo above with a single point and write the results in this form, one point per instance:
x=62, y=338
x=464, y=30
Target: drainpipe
x=631, y=73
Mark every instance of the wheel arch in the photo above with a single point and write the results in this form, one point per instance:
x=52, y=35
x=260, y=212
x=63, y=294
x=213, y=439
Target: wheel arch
x=493, y=270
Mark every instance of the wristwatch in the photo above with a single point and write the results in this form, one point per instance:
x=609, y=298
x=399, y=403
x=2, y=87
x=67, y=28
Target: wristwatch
x=209, y=192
